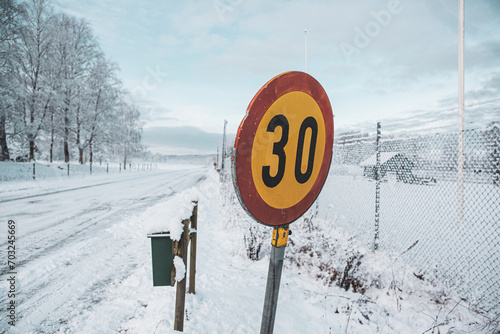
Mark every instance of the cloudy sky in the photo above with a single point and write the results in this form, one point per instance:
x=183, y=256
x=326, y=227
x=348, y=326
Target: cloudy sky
x=192, y=64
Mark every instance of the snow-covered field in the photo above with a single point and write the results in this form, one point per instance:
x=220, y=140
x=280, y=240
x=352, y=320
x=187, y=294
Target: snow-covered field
x=424, y=217
x=83, y=265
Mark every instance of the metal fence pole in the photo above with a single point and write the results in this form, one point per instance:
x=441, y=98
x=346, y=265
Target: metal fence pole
x=377, y=190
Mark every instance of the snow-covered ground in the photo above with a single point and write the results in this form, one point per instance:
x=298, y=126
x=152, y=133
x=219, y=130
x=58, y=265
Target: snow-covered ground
x=84, y=265
x=424, y=217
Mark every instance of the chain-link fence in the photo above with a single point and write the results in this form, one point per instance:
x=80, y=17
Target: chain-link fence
x=409, y=192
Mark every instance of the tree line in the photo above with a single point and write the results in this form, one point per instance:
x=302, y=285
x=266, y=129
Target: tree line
x=61, y=98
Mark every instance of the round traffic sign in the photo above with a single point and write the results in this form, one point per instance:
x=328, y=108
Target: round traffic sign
x=283, y=149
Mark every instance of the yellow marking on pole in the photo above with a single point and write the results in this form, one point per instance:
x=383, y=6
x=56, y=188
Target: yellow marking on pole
x=280, y=236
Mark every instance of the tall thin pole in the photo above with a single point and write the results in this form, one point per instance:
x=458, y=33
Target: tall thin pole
x=377, y=189
x=224, y=145
x=305, y=46
x=461, y=110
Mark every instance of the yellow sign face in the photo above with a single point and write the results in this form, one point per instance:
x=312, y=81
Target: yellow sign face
x=288, y=150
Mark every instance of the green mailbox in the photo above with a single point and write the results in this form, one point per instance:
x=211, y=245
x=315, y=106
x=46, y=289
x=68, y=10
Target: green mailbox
x=163, y=259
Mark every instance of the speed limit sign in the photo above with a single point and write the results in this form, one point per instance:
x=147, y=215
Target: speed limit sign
x=283, y=149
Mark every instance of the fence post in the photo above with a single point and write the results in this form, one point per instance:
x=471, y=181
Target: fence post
x=192, y=259
x=68, y=168
x=107, y=167
x=180, y=298
x=34, y=170
x=120, y=167
x=377, y=189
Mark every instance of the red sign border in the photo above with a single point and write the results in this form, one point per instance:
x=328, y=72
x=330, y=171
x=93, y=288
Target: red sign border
x=242, y=168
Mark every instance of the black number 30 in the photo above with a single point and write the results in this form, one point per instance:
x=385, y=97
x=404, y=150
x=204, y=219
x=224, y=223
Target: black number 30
x=279, y=150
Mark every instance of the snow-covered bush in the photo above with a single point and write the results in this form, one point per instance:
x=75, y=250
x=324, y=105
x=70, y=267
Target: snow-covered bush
x=326, y=254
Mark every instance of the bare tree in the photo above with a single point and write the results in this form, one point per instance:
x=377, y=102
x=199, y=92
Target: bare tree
x=35, y=41
x=103, y=94
x=9, y=32
x=75, y=51
x=61, y=87
x=129, y=131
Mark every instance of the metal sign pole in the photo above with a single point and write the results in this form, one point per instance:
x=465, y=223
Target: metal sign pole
x=279, y=242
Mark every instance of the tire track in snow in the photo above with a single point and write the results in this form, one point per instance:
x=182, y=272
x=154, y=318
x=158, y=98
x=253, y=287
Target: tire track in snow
x=78, y=215
x=60, y=242
x=5, y=200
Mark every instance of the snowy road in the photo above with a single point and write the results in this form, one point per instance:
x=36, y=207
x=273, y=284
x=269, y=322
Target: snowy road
x=71, y=244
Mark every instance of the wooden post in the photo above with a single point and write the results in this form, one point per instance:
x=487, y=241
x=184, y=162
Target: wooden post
x=180, y=299
x=192, y=258
x=33, y=170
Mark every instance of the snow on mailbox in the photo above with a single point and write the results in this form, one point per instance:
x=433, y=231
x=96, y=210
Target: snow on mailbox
x=164, y=226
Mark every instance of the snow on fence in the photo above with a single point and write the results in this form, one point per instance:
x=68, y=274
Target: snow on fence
x=40, y=170
x=450, y=233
